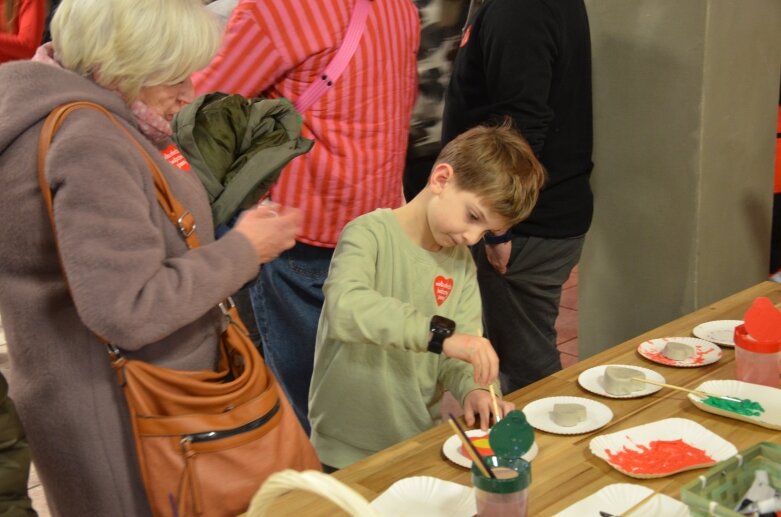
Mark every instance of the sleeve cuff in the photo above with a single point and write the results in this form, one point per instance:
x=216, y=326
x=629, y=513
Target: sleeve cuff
x=498, y=239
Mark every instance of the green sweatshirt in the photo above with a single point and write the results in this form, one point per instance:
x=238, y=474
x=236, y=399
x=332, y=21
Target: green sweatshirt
x=374, y=383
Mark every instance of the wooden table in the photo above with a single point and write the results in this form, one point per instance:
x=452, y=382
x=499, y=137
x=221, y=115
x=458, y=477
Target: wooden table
x=565, y=470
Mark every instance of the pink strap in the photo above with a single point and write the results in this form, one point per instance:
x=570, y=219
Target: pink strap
x=343, y=56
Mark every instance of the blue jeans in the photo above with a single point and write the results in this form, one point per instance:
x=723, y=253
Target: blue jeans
x=287, y=298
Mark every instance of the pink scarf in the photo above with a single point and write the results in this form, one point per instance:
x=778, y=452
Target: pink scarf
x=151, y=124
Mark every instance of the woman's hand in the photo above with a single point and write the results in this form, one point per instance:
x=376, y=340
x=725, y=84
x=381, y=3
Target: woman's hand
x=478, y=403
x=476, y=350
x=270, y=228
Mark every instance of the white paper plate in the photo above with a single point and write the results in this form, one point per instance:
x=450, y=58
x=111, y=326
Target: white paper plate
x=705, y=352
x=538, y=414
x=617, y=498
x=767, y=397
x=593, y=381
x=452, y=449
x=637, y=439
x=424, y=496
x=721, y=332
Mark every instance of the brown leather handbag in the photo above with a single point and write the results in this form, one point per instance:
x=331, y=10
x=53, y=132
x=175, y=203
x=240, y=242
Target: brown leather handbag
x=205, y=440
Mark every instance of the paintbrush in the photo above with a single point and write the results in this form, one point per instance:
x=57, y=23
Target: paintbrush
x=470, y=449
x=701, y=394
x=632, y=508
x=494, y=403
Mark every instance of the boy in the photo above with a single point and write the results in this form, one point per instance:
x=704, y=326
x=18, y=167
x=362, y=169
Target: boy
x=402, y=314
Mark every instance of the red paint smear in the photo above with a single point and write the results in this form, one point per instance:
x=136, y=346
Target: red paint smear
x=697, y=358
x=659, y=457
x=478, y=442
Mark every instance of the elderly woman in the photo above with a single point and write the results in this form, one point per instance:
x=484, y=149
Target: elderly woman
x=130, y=278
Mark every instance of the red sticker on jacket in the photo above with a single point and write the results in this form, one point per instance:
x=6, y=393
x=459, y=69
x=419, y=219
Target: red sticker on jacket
x=465, y=37
x=175, y=158
x=442, y=288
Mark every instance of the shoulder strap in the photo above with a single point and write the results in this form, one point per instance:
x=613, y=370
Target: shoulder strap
x=339, y=62
x=182, y=218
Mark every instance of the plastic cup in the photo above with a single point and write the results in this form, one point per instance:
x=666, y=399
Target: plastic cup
x=505, y=496
x=756, y=361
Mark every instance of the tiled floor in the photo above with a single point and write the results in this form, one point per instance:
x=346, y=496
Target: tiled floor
x=566, y=326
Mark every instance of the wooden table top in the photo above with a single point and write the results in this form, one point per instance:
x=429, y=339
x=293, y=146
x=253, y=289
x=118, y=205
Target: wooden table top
x=565, y=471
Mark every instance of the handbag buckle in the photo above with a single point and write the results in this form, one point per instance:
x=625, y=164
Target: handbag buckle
x=226, y=306
x=186, y=224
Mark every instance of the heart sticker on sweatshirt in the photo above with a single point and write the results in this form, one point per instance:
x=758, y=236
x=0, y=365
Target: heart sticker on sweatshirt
x=442, y=288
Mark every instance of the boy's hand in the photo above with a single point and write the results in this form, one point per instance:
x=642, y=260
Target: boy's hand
x=476, y=350
x=478, y=402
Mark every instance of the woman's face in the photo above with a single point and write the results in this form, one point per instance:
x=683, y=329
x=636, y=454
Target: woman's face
x=167, y=99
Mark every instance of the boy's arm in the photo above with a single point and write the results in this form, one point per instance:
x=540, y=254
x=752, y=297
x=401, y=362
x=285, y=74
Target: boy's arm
x=457, y=376
x=248, y=61
x=355, y=311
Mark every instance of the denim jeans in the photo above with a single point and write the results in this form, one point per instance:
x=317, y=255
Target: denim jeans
x=287, y=298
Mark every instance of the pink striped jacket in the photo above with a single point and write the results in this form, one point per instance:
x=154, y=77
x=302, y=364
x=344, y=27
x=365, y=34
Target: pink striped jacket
x=276, y=48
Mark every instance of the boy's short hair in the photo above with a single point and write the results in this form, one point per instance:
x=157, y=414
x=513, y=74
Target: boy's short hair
x=498, y=165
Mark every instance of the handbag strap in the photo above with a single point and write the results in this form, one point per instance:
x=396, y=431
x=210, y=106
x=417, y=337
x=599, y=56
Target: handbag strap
x=178, y=215
x=339, y=62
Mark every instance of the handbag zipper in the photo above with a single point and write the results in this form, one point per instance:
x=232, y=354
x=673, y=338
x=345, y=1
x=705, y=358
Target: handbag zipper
x=209, y=436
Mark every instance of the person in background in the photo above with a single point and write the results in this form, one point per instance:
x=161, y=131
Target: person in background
x=14, y=459
x=21, y=28
x=530, y=60
x=360, y=126
x=402, y=315
x=130, y=277
x=440, y=31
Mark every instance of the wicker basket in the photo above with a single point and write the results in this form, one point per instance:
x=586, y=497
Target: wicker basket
x=311, y=481
x=722, y=487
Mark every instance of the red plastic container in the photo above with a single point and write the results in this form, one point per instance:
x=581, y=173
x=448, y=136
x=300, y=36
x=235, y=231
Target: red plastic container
x=756, y=361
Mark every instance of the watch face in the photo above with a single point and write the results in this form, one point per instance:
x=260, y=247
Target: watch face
x=441, y=329
x=442, y=325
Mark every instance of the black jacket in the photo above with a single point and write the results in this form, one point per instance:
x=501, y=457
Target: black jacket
x=531, y=60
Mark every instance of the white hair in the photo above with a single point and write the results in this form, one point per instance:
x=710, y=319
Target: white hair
x=130, y=44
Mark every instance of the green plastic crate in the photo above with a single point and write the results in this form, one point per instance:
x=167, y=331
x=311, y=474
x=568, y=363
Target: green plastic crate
x=722, y=487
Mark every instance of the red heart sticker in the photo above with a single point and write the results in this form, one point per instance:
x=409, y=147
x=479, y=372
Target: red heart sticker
x=442, y=288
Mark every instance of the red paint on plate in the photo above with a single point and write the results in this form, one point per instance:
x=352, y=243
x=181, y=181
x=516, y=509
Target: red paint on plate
x=659, y=457
x=697, y=358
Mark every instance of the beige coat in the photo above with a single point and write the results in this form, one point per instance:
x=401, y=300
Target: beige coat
x=131, y=280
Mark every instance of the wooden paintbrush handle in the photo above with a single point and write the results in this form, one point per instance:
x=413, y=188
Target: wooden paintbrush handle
x=639, y=504
x=674, y=387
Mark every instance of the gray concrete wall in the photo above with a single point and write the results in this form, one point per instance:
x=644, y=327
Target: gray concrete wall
x=685, y=95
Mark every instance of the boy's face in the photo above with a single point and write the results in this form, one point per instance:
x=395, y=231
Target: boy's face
x=457, y=216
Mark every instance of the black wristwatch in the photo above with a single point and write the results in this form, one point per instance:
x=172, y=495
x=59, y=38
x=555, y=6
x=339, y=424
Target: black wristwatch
x=441, y=328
